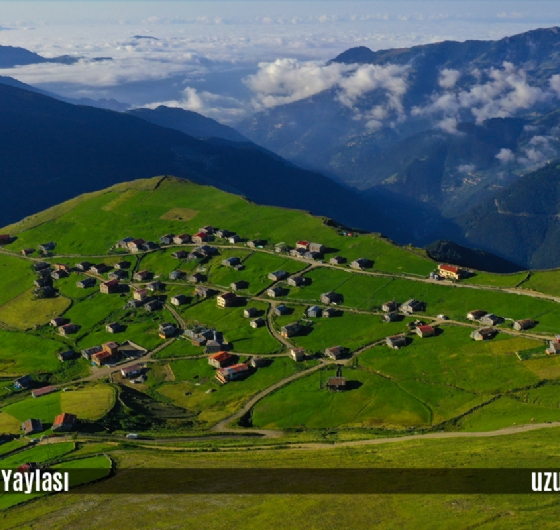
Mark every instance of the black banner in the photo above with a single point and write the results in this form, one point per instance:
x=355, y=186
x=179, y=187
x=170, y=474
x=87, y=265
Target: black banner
x=318, y=481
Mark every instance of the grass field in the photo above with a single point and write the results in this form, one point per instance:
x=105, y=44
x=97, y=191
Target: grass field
x=496, y=280
x=234, y=326
x=544, y=282
x=22, y=352
x=17, y=276
x=94, y=310
x=253, y=512
x=193, y=378
x=25, y=311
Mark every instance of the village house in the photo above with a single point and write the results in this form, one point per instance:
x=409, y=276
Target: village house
x=43, y=391
x=182, y=239
x=122, y=265
x=234, y=239
x=289, y=330
x=491, y=320
x=117, y=275
x=47, y=247
x=207, y=250
x=256, y=243
x=297, y=252
x=391, y=317
x=281, y=310
x=297, y=354
x=425, y=331
x=88, y=352
x=134, y=304
x=176, y=275
x=86, y=282
x=313, y=255
x=231, y=262
x=476, y=314
x=123, y=243
x=279, y=248
x=451, y=271
x=230, y=373
x=204, y=292
x=553, y=348
x=99, y=269
x=66, y=355
x=166, y=330
x=360, y=264
x=61, y=267
x=58, y=321
x=200, y=238
x=68, y=329
x=136, y=245
x=44, y=292
x=149, y=245
x=316, y=247
x=389, y=307
x=179, y=300
x=31, y=426
x=250, y=312
x=64, y=422
x=314, y=311
x=337, y=260
x=527, y=323
x=303, y=245
x=330, y=298
x=220, y=359
x=223, y=233
x=131, y=371
x=83, y=266
x=296, y=281
x=44, y=273
x=23, y=382
x=112, y=286
x=239, y=285
x=167, y=239
x=39, y=265
x=208, y=229
x=331, y=312
x=153, y=305
x=275, y=292
x=108, y=354
x=155, y=286
x=113, y=327
x=5, y=239
x=336, y=384
x=193, y=256
x=277, y=275
x=258, y=362
x=484, y=334
x=412, y=305
x=27, y=251
x=142, y=276
x=140, y=294
x=226, y=299
x=214, y=346
x=257, y=323
x=335, y=352
x=196, y=278
x=42, y=282
x=180, y=254
x=396, y=341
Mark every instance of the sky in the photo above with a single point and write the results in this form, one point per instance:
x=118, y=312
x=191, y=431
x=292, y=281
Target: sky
x=227, y=59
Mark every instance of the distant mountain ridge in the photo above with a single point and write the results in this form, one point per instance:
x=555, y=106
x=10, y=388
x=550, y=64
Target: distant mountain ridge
x=11, y=56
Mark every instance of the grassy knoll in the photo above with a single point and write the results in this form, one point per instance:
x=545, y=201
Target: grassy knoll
x=67, y=286
x=234, y=326
x=370, y=292
x=40, y=453
x=25, y=311
x=454, y=359
x=8, y=423
x=351, y=330
x=17, y=276
x=21, y=352
x=193, y=378
x=94, y=310
x=496, y=280
x=178, y=348
x=88, y=403
x=544, y=367
x=91, y=224
x=7, y=447
x=544, y=282
x=370, y=401
x=251, y=512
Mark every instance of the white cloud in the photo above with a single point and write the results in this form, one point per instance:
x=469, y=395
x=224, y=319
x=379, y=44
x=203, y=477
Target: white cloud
x=448, y=78
x=449, y=125
x=505, y=155
x=466, y=168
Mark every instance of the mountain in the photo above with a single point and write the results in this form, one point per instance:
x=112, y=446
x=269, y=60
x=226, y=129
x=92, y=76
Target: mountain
x=52, y=151
x=189, y=122
x=450, y=252
x=522, y=222
x=11, y=56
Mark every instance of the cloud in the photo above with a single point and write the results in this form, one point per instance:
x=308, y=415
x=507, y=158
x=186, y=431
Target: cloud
x=448, y=78
x=222, y=108
x=505, y=155
x=466, y=168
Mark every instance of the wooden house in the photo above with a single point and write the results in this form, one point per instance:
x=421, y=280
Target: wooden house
x=179, y=300
x=112, y=286
x=331, y=312
x=316, y=247
x=275, y=292
x=180, y=254
x=337, y=260
x=336, y=384
x=330, y=298
x=68, y=329
x=153, y=305
x=250, y=312
x=297, y=354
x=64, y=422
x=66, y=355
x=231, y=262
x=239, y=285
x=281, y=310
x=142, y=276
x=86, y=283
x=451, y=271
x=360, y=264
x=296, y=281
x=58, y=321
x=491, y=319
x=182, y=239
x=258, y=362
x=176, y=275
x=226, y=299
x=396, y=341
x=83, y=266
x=113, y=327
x=204, y=292
x=257, y=323
x=220, y=359
x=277, y=275
x=167, y=239
x=484, y=334
x=527, y=323
x=230, y=373
x=200, y=237
x=131, y=371
x=140, y=294
x=391, y=317
x=43, y=391
x=289, y=330
x=122, y=265
x=314, y=311
x=335, y=352
x=425, y=331
x=31, y=426
x=412, y=305
x=196, y=278
x=476, y=314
